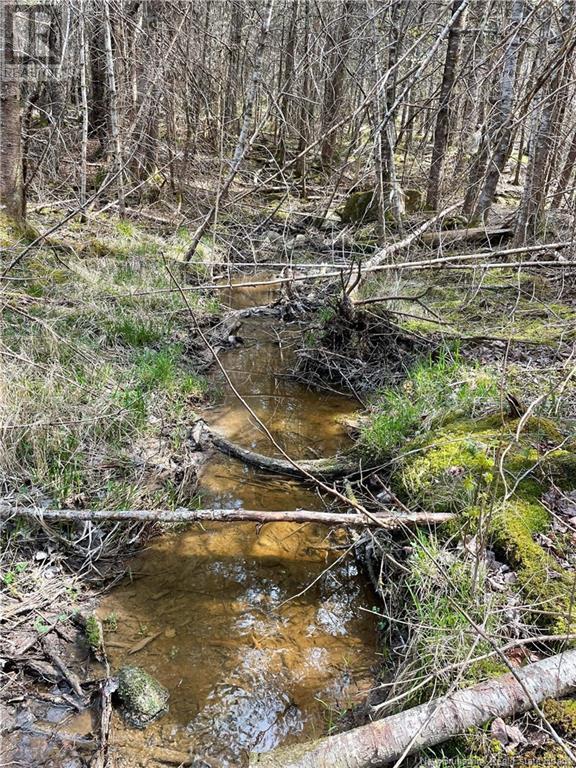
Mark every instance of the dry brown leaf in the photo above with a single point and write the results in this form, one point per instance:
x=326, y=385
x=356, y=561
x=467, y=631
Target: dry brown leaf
x=508, y=735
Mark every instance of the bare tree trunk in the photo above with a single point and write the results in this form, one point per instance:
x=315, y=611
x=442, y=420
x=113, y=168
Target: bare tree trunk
x=98, y=119
x=565, y=174
x=501, y=129
x=147, y=89
x=443, y=117
x=231, y=121
x=532, y=208
x=12, y=201
x=406, y=733
x=305, y=111
x=387, y=190
x=288, y=84
x=243, y=142
x=84, y=102
x=114, y=117
x=332, y=103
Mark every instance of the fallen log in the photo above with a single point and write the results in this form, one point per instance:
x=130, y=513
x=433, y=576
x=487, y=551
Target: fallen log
x=405, y=733
x=328, y=468
x=387, y=520
x=481, y=235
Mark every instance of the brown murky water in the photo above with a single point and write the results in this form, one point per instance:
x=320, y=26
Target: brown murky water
x=257, y=632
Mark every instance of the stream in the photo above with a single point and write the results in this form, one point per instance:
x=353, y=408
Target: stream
x=258, y=632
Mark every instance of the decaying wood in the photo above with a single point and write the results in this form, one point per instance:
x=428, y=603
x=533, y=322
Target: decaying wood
x=102, y=757
x=327, y=468
x=387, y=520
x=70, y=676
x=405, y=733
x=486, y=235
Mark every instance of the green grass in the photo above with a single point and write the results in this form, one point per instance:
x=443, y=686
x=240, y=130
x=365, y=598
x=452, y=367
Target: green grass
x=97, y=373
x=431, y=391
x=443, y=588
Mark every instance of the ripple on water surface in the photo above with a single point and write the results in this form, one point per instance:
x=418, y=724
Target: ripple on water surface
x=246, y=670
x=258, y=633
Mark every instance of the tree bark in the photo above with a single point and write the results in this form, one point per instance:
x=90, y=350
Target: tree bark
x=287, y=84
x=114, y=115
x=501, y=130
x=565, y=174
x=532, y=207
x=443, y=117
x=12, y=202
x=98, y=118
x=231, y=121
x=332, y=102
x=387, y=189
x=181, y=515
x=406, y=733
x=84, y=103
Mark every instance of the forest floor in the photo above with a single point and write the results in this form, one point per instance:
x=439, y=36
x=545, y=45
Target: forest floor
x=467, y=378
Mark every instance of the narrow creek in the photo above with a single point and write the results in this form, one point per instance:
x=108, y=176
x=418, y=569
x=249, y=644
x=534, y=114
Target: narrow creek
x=257, y=640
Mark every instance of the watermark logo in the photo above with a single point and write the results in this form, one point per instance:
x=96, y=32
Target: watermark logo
x=31, y=42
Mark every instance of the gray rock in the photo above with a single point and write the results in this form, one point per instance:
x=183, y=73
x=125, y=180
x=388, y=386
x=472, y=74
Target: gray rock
x=143, y=698
x=270, y=236
x=296, y=242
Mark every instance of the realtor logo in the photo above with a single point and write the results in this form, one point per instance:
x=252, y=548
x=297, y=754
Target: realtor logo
x=31, y=42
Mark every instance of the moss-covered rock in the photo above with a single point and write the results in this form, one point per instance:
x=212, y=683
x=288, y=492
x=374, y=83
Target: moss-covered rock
x=143, y=699
x=359, y=207
x=413, y=200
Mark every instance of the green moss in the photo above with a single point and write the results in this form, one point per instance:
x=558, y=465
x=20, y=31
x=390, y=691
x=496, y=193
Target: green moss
x=359, y=207
x=561, y=715
x=481, y=468
x=450, y=476
x=434, y=391
x=14, y=232
x=93, y=633
x=143, y=698
x=503, y=307
x=549, y=588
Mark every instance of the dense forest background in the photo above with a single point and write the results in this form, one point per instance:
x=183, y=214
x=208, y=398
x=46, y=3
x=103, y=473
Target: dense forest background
x=289, y=318
x=136, y=100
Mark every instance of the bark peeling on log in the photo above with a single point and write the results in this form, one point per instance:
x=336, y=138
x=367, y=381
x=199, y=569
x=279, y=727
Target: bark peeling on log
x=405, y=733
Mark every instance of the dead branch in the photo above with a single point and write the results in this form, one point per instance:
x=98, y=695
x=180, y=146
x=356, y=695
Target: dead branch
x=180, y=515
x=327, y=468
x=406, y=733
x=102, y=758
x=70, y=676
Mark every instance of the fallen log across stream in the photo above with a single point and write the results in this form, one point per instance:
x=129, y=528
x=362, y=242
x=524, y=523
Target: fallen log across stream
x=405, y=733
x=181, y=515
x=330, y=468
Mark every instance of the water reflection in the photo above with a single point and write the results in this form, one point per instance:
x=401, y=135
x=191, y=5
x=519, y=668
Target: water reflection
x=255, y=639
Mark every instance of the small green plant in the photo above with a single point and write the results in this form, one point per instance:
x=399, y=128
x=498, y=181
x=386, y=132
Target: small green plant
x=325, y=314
x=125, y=228
x=110, y=623
x=41, y=626
x=134, y=331
x=93, y=633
